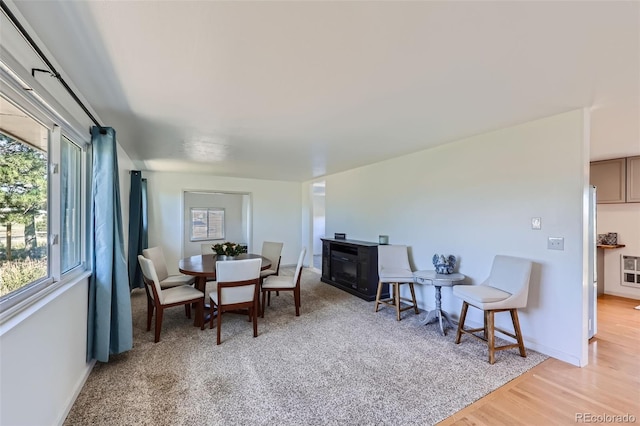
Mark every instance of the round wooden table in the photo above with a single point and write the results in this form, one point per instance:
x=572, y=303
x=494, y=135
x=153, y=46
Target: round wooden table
x=203, y=267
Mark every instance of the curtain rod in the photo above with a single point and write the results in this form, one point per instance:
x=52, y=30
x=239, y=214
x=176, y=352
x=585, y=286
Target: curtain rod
x=52, y=69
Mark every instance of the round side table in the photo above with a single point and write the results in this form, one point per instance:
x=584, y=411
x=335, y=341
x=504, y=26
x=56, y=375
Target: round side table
x=438, y=281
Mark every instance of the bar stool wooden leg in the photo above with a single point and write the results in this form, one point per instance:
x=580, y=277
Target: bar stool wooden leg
x=485, y=332
x=413, y=298
x=491, y=337
x=378, y=293
x=516, y=328
x=463, y=316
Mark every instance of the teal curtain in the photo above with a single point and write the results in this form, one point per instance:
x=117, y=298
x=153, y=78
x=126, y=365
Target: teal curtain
x=138, y=239
x=110, y=329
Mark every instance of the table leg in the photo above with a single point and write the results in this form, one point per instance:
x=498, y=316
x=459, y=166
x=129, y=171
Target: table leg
x=438, y=314
x=202, y=310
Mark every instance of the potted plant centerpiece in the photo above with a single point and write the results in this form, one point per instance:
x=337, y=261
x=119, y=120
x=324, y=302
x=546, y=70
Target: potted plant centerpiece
x=228, y=249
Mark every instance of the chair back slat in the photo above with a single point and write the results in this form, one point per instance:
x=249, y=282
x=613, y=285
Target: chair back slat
x=237, y=280
x=511, y=274
x=393, y=256
x=151, y=278
x=272, y=251
x=296, y=276
x=156, y=255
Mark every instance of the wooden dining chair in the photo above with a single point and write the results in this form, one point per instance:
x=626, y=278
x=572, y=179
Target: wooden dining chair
x=159, y=299
x=285, y=283
x=272, y=251
x=156, y=255
x=236, y=288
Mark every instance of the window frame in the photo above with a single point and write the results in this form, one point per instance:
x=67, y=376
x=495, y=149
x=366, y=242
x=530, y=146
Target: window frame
x=33, y=105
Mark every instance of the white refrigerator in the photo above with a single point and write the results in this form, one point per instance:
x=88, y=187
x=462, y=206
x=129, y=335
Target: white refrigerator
x=593, y=273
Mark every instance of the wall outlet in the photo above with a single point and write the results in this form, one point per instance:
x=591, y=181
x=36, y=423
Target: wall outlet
x=536, y=223
x=555, y=243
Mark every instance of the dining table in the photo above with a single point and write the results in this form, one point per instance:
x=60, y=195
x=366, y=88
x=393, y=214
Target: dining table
x=203, y=268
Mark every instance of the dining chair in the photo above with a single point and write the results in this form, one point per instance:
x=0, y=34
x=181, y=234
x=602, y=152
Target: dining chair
x=394, y=269
x=285, y=283
x=506, y=289
x=159, y=299
x=273, y=252
x=156, y=255
x=237, y=287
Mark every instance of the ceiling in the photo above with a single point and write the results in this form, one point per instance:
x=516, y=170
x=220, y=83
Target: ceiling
x=296, y=90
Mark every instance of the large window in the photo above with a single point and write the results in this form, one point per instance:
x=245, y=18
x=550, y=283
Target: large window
x=23, y=211
x=41, y=202
x=207, y=224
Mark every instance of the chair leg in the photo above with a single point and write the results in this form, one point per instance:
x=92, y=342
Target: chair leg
x=296, y=298
x=463, y=316
x=269, y=299
x=150, y=308
x=254, y=315
x=397, y=300
x=159, y=313
x=413, y=299
x=219, y=326
x=212, y=308
x=187, y=310
x=378, y=293
x=485, y=331
x=263, y=299
x=516, y=328
x=491, y=335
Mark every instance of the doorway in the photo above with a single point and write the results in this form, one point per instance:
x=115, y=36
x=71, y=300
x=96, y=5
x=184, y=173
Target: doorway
x=318, y=214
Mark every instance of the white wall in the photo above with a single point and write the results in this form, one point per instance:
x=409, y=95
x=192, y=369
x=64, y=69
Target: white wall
x=275, y=211
x=43, y=366
x=475, y=198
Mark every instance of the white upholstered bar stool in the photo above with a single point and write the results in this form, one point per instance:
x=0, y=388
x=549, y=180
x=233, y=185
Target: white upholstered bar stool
x=394, y=269
x=506, y=289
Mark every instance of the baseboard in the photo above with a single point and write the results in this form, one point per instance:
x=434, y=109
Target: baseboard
x=618, y=294
x=78, y=389
x=533, y=345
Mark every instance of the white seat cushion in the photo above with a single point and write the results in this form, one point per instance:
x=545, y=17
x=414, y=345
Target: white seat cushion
x=180, y=294
x=176, y=280
x=480, y=295
x=276, y=281
x=393, y=275
x=267, y=272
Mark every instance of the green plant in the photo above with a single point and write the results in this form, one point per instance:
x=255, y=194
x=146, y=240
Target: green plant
x=18, y=273
x=228, y=249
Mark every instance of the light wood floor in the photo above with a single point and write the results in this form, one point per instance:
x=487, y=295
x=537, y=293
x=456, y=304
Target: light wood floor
x=554, y=392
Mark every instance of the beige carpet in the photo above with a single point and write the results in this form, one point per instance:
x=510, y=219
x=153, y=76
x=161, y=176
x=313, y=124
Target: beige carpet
x=338, y=363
